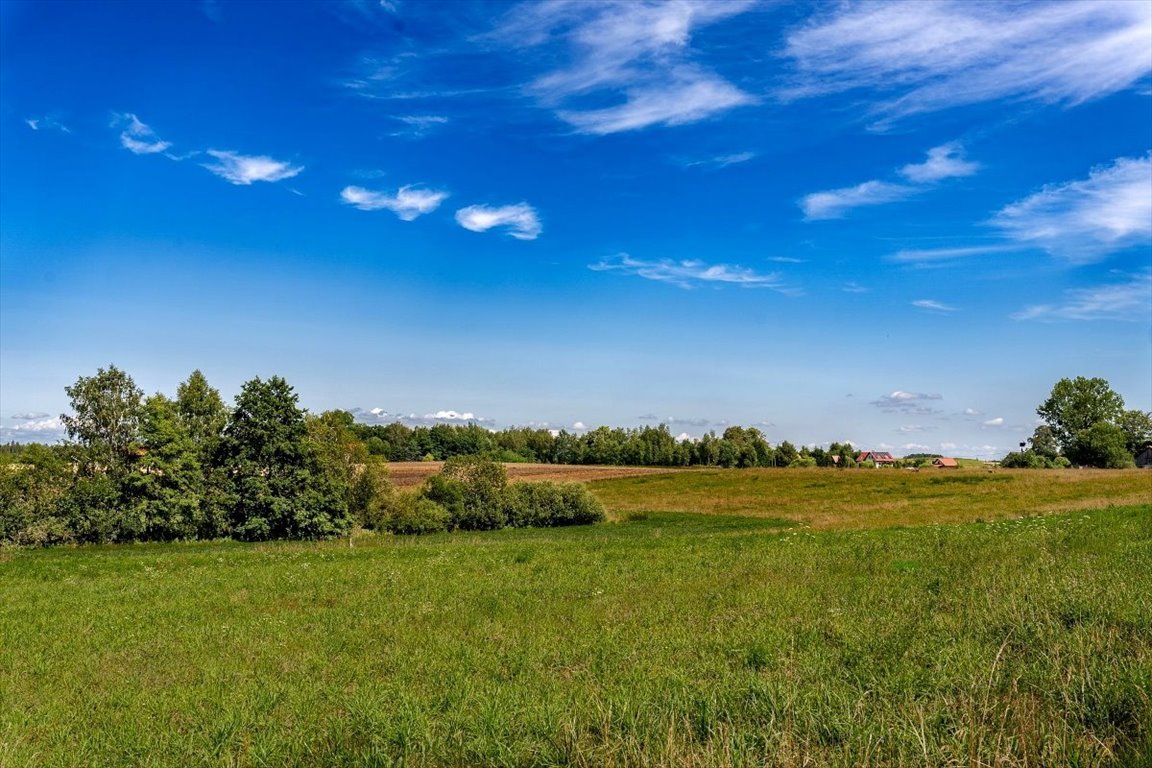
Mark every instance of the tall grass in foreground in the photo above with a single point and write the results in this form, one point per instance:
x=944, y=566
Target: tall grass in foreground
x=674, y=640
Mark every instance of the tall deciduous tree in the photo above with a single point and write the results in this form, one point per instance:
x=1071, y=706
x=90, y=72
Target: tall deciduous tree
x=202, y=411
x=278, y=487
x=1137, y=428
x=165, y=491
x=1078, y=404
x=105, y=420
x=204, y=415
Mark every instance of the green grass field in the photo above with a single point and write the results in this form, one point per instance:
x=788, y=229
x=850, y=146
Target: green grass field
x=666, y=639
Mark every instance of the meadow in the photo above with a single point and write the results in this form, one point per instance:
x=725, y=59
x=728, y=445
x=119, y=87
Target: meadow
x=777, y=618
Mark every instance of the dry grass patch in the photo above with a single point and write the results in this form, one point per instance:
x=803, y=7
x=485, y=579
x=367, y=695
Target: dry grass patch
x=854, y=499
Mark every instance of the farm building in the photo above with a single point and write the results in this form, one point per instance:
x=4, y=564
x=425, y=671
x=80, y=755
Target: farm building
x=1144, y=457
x=944, y=462
x=881, y=458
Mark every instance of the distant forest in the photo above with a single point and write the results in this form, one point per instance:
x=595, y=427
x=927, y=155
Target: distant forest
x=652, y=446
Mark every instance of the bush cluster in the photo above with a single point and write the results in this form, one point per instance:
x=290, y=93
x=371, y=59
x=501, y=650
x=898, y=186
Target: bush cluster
x=472, y=493
x=1034, y=460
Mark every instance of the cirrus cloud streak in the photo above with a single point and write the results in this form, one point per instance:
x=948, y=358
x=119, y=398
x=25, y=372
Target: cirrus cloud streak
x=689, y=273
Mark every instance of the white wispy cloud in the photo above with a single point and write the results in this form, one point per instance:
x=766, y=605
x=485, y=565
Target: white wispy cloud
x=688, y=273
x=520, y=220
x=687, y=98
x=933, y=305
x=720, y=161
x=246, y=169
x=636, y=53
x=923, y=57
x=1085, y=220
x=996, y=422
x=834, y=203
x=418, y=125
x=852, y=287
x=915, y=428
x=138, y=138
x=931, y=255
x=579, y=425
x=46, y=122
x=1127, y=300
x=408, y=203
x=944, y=162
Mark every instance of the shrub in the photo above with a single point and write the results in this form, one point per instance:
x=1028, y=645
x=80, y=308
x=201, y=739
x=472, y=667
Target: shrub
x=93, y=513
x=447, y=493
x=411, y=513
x=549, y=505
x=369, y=492
x=1026, y=460
x=482, y=483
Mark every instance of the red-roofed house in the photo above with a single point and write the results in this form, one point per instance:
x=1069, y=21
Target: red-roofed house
x=945, y=463
x=881, y=458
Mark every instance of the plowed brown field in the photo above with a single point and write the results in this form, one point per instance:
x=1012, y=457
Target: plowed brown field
x=406, y=474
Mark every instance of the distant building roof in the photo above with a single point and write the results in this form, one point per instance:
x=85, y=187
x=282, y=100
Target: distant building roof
x=880, y=457
x=944, y=462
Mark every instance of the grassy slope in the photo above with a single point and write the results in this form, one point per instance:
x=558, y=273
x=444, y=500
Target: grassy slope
x=830, y=499
x=673, y=640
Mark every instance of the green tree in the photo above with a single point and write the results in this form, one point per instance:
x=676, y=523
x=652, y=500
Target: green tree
x=105, y=420
x=354, y=475
x=1078, y=404
x=165, y=490
x=202, y=412
x=1100, y=445
x=278, y=487
x=1137, y=428
x=786, y=453
x=204, y=415
x=1044, y=442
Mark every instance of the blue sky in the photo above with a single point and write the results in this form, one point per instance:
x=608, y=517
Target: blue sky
x=892, y=223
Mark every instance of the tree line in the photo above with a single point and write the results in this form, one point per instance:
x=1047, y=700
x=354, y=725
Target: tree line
x=156, y=468
x=648, y=446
